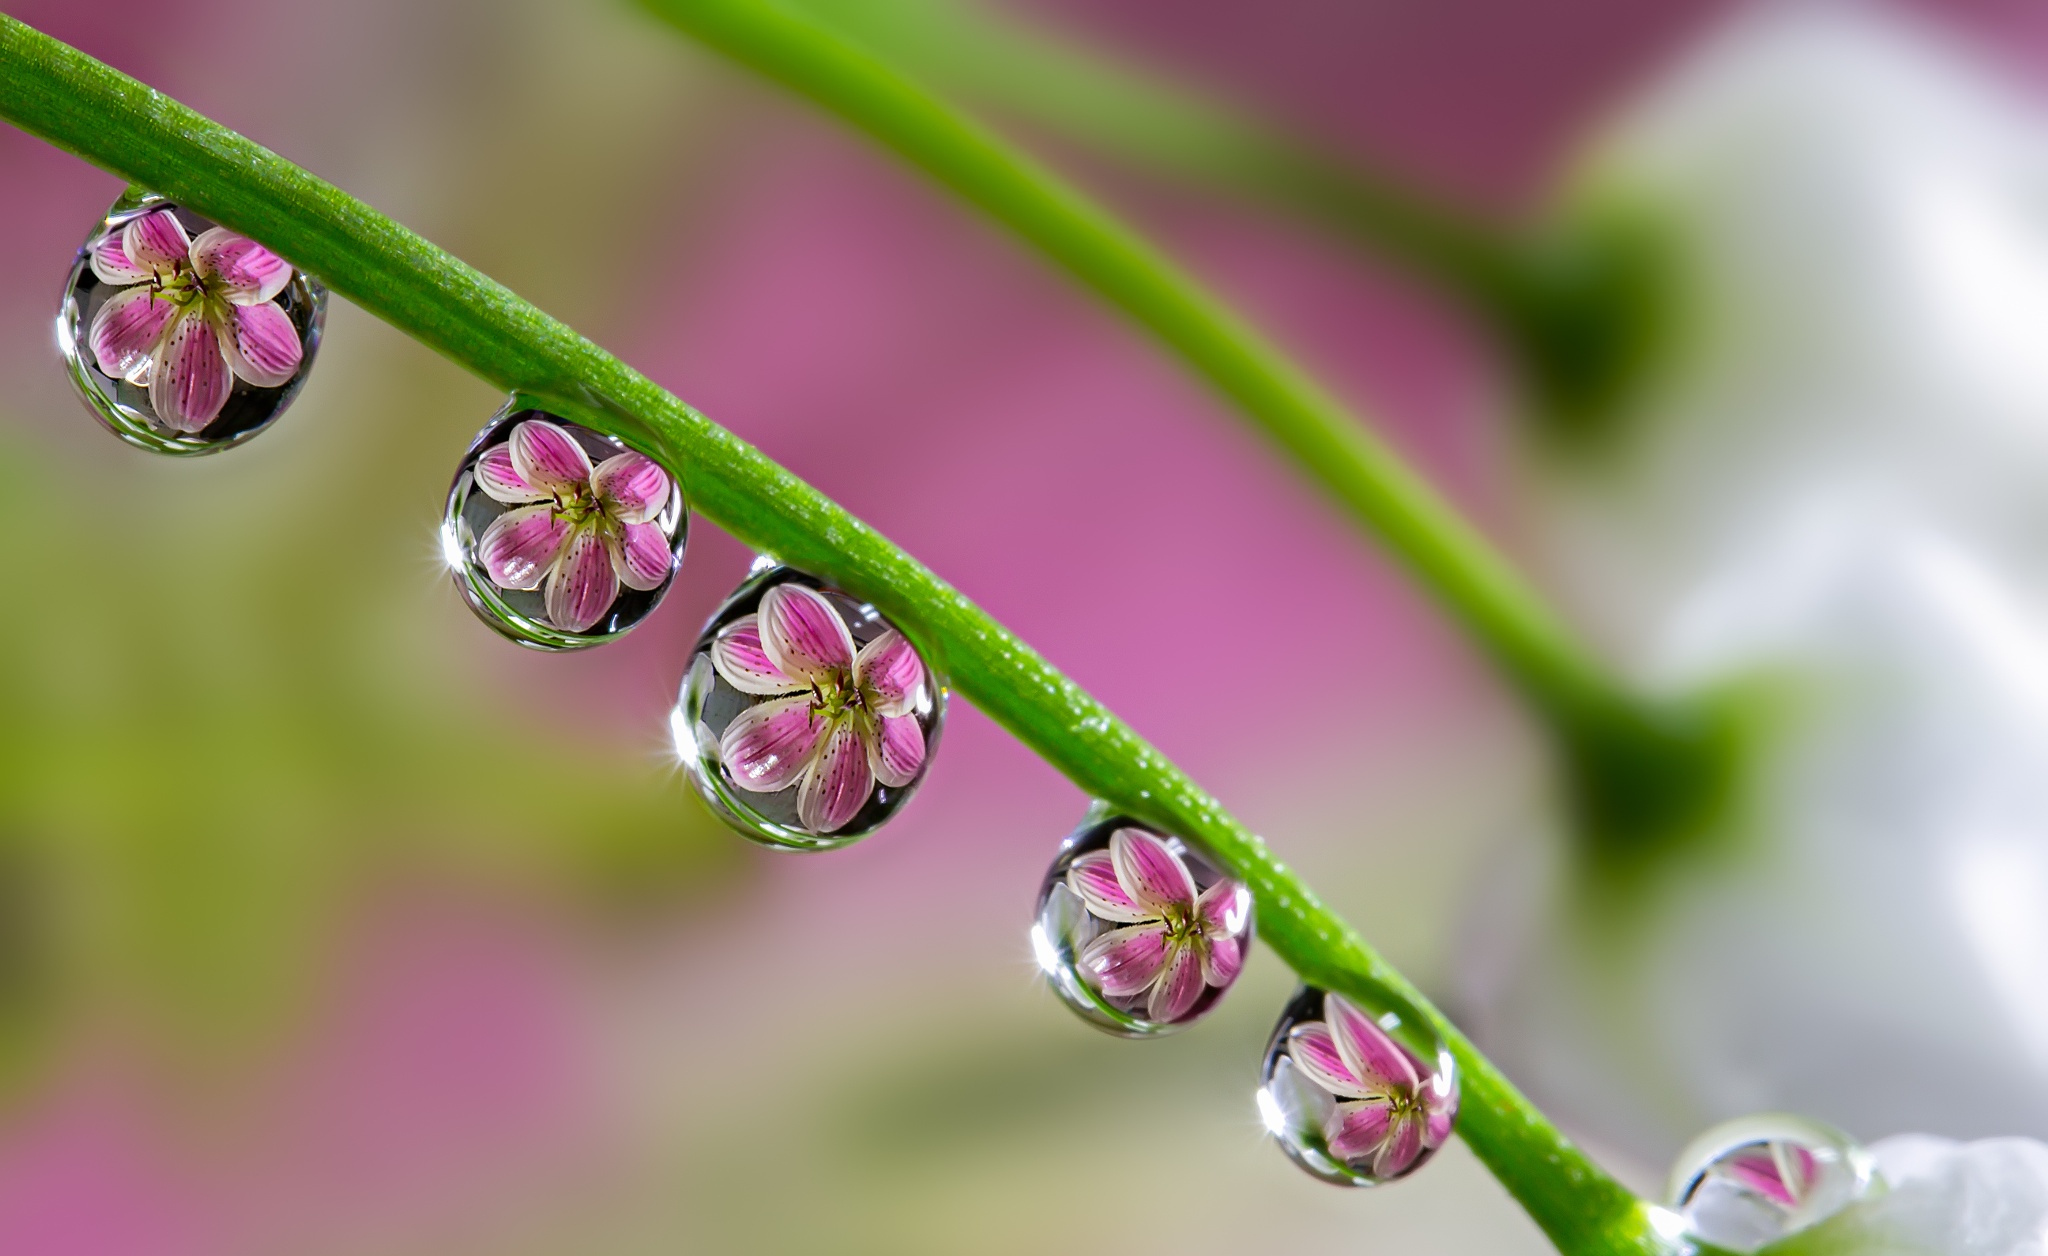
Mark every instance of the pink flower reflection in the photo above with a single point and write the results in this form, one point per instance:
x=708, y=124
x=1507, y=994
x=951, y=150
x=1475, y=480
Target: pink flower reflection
x=1172, y=943
x=1393, y=1109
x=193, y=316
x=836, y=722
x=578, y=530
x=1781, y=1172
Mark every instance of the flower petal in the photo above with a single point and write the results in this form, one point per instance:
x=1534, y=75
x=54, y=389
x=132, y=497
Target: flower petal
x=548, y=457
x=737, y=655
x=127, y=329
x=110, y=262
x=262, y=345
x=632, y=487
x=1404, y=1143
x=1093, y=878
x=189, y=379
x=247, y=273
x=1359, y=1129
x=520, y=547
x=803, y=635
x=768, y=745
x=1758, y=1170
x=890, y=674
x=1152, y=874
x=582, y=586
x=1174, y=994
x=1125, y=961
x=641, y=556
x=156, y=242
x=501, y=481
x=838, y=784
x=1442, y=1113
x=1224, y=909
x=1222, y=961
x=1316, y=1054
x=1371, y=1056
x=896, y=750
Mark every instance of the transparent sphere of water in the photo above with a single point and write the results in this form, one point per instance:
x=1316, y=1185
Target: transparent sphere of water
x=1753, y=1180
x=1357, y=1088
x=806, y=719
x=182, y=337
x=1140, y=932
x=561, y=537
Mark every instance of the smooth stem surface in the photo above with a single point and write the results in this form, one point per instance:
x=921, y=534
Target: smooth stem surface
x=67, y=98
x=1030, y=73
x=1636, y=770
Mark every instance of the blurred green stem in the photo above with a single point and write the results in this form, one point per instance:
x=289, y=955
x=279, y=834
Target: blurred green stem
x=1578, y=304
x=1639, y=773
x=140, y=135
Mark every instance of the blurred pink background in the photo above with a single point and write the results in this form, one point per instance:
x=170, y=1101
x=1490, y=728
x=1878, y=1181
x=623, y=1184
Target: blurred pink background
x=460, y=1037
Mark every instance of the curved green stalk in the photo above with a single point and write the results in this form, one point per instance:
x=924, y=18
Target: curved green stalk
x=67, y=98
x=1580, y=305
x=1639, y=773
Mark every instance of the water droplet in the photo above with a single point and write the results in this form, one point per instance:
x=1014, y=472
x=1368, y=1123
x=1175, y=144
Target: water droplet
x=1753, y=1180
x=806, y=719
x=1138, y=931
x=182, y=337
x=1357, y=1088
x=561, y=537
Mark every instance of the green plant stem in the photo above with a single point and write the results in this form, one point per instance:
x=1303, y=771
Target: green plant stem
x=140, y=135
x=1639, y=773
x=1579, y=304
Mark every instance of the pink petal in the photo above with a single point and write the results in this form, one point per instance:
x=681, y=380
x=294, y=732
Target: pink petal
x=126, y=330
x=548, y=457
x=1224, y=909
x=1758, y=1170
x=1315, y=1052
x=838, y=784
x=520, y=547
x=1372, y=1057
x=583, y=586
x=1361, y=1128
x=262, y=345
x=1093, y=878
x=1174, y=994
x=768, y=745
x=896, y=750
x=1441, y=1115
x=1125, y=961
x=803, y=635
x=156, y=241
x=1151, y=874
x=1222, y=961
x=500, y=480
x=111, y=264
x=632, y=487
x=248, y=273
x=890, y=674
x=641, y=557
x=1796, y=1168
x=189, y=380
x=737, y=655
x=1397, y=1155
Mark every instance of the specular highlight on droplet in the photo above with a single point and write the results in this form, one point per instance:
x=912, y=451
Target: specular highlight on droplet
x=561, y=537
x=1756, y=1179
x=181, y=336
x=806, y=720
x=1357, y=1088
x=1139, y=932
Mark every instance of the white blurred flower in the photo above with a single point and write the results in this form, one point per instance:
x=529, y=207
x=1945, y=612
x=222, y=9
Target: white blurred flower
x=1859, y=211
x=1985, y=1198
x=1839, y=481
